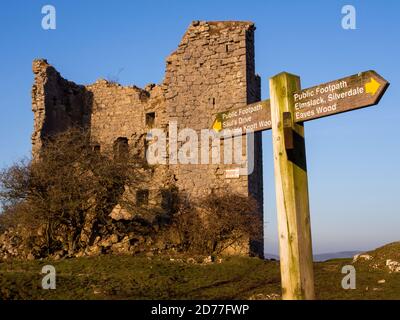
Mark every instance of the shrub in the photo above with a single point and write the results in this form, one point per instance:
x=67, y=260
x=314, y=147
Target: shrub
x=217, y=222
x=69, y=190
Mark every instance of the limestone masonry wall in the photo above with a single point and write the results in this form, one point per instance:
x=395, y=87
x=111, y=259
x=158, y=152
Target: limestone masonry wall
x=212, y=70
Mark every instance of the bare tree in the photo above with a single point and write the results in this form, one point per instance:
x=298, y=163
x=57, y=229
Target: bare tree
x=70, y=187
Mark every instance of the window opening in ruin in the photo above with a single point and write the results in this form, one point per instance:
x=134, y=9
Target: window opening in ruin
x=121, y=149
x=145, y=147
x=68, y=107
x=226, y=48
x=150, y=119
x=142, y=197
x=169, y=200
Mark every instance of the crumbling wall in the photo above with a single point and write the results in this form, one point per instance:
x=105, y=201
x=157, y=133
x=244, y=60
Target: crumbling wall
x=57, y=104
x=119, y=111
x=207, y=74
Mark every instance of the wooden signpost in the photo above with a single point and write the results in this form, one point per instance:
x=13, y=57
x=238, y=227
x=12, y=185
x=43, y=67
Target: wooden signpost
x=342, y=95
x=285, y=113
x=291, y=187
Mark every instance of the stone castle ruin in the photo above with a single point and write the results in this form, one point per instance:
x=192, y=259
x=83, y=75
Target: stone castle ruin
x=211, y=71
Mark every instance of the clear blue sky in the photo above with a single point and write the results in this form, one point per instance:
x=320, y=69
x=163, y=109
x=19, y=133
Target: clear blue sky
x=353, y=158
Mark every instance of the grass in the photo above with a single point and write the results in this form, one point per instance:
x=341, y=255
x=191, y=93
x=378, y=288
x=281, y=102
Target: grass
x=141, y=277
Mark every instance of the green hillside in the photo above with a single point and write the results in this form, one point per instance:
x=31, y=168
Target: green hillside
x=156, y=277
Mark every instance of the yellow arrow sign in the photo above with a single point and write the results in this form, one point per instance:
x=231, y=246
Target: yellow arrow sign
x=217, y=125
x=372, y=86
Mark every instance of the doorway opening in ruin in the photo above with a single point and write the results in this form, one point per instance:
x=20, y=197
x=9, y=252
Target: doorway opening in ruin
x=142, y=197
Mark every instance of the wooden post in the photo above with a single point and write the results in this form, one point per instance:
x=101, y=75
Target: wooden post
x=291, y=191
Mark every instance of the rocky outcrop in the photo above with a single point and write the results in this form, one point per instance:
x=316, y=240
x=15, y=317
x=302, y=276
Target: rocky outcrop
x=386, y=258
x=17, y=243
x=393, y=266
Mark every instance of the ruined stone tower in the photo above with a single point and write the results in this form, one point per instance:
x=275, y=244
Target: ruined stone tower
x=212, y=70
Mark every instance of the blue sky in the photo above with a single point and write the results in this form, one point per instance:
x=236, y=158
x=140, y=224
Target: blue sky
x=352, y=158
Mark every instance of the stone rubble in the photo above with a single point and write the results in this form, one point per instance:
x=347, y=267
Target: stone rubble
x=359, y=257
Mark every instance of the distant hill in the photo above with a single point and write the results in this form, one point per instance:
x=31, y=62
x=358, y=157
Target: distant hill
x=271, y=256
x=377, y=258
x=323, y=256
x=335, y=255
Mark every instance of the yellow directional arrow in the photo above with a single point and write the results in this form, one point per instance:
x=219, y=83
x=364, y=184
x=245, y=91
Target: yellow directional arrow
x=372, y=86
x=217, y=125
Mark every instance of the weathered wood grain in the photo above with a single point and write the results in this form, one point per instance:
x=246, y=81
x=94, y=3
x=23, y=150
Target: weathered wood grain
x=291, y=194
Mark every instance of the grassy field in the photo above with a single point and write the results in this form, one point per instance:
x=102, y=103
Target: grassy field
x=141, y=277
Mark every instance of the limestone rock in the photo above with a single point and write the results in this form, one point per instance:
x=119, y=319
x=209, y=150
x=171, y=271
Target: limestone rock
x=359, y=257
x=262, y=296
x=207, y=260
x=120, y=213
x=393, y=266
